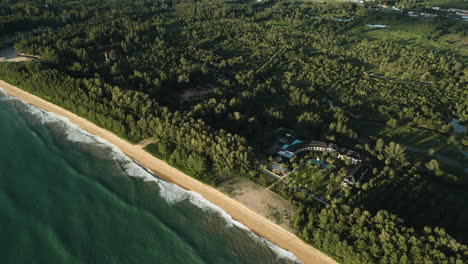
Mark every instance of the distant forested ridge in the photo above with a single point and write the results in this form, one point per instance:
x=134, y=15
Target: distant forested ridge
x=210, y=80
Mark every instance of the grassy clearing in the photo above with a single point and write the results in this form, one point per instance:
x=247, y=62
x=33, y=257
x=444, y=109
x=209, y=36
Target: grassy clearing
x=409, y=136
x=455, y=39
x=419, y=143
x=445, y=3
x=418, y=32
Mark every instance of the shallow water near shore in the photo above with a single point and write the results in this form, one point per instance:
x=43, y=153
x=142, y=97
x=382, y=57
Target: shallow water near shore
x=66, y=197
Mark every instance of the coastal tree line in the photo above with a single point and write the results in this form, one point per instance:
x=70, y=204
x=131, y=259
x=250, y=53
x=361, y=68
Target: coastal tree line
x=265, y=65
x=134, y=116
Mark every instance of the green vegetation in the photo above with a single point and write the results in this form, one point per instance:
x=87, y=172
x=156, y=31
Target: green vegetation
x=318, y=181
x=411, y=4
x=415, y=139
x=264, y=65
x=322, y=178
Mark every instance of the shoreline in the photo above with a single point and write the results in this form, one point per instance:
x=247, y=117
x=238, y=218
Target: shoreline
x=252, y=220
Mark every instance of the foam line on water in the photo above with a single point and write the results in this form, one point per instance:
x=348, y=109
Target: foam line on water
x=4, y=96
x=171, y=193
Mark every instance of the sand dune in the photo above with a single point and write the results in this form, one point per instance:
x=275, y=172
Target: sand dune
x=238, y=211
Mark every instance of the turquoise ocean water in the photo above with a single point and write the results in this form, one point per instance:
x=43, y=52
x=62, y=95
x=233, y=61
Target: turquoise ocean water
x=69, y=197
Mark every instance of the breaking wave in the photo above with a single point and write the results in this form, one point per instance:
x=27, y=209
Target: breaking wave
x=171, y=193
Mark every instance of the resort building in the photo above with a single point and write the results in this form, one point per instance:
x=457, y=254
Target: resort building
x=279, y=169
x=297, y=146
x=287, y=147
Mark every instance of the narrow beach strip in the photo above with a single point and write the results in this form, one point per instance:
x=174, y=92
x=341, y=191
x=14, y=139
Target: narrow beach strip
x=255, y=222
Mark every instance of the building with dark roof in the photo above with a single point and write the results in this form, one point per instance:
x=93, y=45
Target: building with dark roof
x=297, y=146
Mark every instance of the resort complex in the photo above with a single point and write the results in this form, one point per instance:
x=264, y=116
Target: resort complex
x=336, y=130
x=290, y=154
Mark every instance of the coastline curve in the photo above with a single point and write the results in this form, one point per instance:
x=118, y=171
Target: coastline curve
x=277, y=238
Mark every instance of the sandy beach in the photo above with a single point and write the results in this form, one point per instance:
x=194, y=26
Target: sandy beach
x=257, y=223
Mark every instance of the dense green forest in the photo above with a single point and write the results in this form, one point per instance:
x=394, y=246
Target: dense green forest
x=210, y=80
x=426, y=3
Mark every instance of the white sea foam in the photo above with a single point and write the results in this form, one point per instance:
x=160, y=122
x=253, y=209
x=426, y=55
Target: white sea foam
x=174, y=194
x=4, y=96
x=171, y=193
x=280, y=251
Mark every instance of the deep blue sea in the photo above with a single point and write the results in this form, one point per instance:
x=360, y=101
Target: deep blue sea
x=69, y=197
